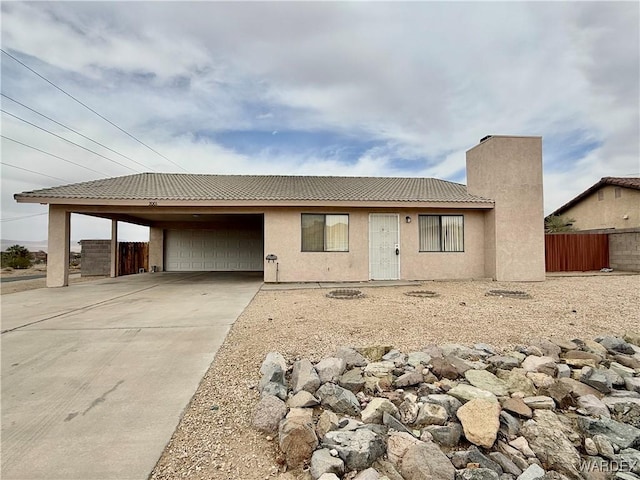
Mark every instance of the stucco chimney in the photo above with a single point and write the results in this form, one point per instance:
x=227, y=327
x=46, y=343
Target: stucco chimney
x=508, y=170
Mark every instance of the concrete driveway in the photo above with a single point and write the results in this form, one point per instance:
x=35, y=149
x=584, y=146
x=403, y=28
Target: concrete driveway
x=95, y=376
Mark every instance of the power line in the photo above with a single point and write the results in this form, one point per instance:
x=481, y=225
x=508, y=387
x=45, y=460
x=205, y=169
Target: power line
x=92, y=110
x=75, y=131
x=53, y=155
x=31, y=171
x=67, y=140
x=20, y=218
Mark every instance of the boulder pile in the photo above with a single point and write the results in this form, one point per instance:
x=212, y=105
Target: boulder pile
x=552, y=409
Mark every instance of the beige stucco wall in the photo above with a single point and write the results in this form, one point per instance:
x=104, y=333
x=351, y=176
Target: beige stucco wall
x=509, y=170
x=58, y=246
x=282, y=231
x=591, y=213
x=156, y=249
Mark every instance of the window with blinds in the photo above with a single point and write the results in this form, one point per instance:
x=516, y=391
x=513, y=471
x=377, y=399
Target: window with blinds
x=325, y=233
x=441, y=233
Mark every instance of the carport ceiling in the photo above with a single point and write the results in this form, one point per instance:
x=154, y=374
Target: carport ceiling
x=150, y=218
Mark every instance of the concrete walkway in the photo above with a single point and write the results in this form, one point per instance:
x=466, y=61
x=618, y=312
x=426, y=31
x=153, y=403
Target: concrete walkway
x=95, y=376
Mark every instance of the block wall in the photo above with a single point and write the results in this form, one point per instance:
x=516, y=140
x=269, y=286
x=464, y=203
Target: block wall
x=624, y=251
x=96, y=257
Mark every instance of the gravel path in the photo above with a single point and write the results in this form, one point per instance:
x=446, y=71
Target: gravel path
x=214, y=439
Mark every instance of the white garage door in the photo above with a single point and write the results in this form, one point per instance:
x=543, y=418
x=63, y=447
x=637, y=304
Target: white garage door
x=225, y=249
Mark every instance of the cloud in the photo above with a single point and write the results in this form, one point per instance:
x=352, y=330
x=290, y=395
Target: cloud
x=352, y=88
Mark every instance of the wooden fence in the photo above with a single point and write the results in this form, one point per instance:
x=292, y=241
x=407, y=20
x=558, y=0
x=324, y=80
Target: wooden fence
x=132, y=256
x=576, y=252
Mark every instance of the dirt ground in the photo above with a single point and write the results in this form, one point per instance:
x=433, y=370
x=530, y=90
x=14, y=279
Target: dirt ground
x=214, y=439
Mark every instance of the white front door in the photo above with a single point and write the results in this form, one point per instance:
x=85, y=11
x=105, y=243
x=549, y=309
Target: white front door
x=384, y=245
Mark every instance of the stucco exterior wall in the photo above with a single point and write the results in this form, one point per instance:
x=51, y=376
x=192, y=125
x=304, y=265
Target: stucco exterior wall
x=509, y=171
x=156, y=249
x=282, y=231
x=591, y=213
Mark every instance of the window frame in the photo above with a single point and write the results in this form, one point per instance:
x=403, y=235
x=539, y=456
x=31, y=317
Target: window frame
x=617, y=192
x=324, y=245
x=600, y=195
x=442, y=239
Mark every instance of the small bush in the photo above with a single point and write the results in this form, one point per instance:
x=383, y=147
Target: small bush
x=19, y=262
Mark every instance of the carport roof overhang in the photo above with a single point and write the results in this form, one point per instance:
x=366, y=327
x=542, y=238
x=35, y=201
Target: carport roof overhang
x=151, y=212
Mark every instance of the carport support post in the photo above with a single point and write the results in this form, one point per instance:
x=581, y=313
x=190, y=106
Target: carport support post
x=58, y=246
x=114, y=249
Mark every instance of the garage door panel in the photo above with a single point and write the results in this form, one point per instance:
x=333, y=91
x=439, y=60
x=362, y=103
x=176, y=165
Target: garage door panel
x=228, y=249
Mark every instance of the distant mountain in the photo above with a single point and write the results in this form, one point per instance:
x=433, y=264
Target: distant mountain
x=34, y=246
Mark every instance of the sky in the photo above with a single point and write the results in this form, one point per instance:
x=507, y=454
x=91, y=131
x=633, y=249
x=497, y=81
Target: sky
x=341, y=88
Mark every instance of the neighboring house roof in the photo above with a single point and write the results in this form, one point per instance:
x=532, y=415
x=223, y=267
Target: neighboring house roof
x=190, y=187
x=626, y=182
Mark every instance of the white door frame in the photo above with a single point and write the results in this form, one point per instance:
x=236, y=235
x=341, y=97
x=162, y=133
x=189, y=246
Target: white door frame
x=396, y=276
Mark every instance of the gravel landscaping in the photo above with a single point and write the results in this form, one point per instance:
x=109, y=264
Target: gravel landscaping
x=215, y=438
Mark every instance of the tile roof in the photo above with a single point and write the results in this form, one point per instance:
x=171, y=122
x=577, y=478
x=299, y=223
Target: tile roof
x=626, y=182
x=178, y=187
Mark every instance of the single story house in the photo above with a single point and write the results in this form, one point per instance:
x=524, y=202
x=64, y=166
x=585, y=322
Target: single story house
x=304, y=228
x=611, y=203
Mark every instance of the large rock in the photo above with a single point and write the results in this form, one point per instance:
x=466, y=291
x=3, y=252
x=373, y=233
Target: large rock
x=297, y=437
x=480, y=420
x=273, y=369
x=504, y=362
x=534, y=363
x=505, y=463
x=376, y=408
x=338, y=399
x=487, y=381
x=268, y=413
x=417, y=359
x=408, y=412
x=579, y=389
x=517, y=381
x=431, y=414
x=551, y=445
x=451, y=404
x=517, y=406
x=374, y=353
x=632, y=384
x=409, y=379
x=329, y=369
x=534, y=472
x=397, y=445
x=540, y=402
x=358, y=448
x=561, y=393
x=447, y=436
x=596, y=379
x=323, y=462
x=425, y=461
x=593, y=406
x=464, y=393
x=476, y=474
x=327, y=421
x=352, y=380
x=351, y=357
x=304, y=377
x=302, y=399
x=621, y=434
x=616, y=345
x=461, y=458
x=368, y=474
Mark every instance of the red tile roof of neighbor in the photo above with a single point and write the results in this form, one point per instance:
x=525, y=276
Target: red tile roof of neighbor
x=170, y=186
x=626, y=182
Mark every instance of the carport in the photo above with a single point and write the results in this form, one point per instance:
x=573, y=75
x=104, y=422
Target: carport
x=180, y=239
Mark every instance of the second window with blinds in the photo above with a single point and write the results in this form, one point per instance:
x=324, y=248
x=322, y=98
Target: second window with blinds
x=325, y=233
x=441, y=233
